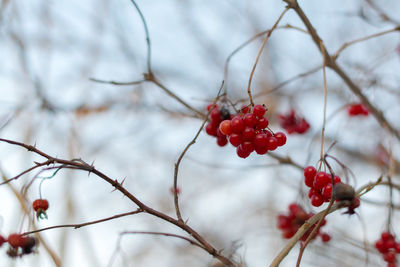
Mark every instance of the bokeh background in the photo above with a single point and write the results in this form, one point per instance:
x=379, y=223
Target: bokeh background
x=50, y=50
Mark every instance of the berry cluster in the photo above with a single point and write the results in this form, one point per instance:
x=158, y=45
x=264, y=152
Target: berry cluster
x=217, y=115
x=293, y=123
x=320, y=184
x=247, y=131
x=19, y=244
x=40, y=206
x=388, y=247
x=357, y=110
x=289, y=224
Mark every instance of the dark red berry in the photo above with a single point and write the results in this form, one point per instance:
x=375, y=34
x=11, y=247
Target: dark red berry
x=235, y=139
x=248, y=134
x=250, y=120
x=260, y=140
x=309, y=172
x=272, y=143
x=211, y=130
x=247, y=146
x=241, y=153
x=321, y=180
x=281, y=138
x=262, y=123
x=316, y=200
x=16, y=240
x=237, y=124
x=222, y=141
x=325, y=237
x=389, y=256
x=2, y=240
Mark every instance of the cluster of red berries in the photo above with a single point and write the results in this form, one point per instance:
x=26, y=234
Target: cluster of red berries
x=40, y=206
x=357, y=110
x=388, y=247
x=293, y=123
x=290, y=223
x=19, y=244
x=320, y=184
x=247, y=130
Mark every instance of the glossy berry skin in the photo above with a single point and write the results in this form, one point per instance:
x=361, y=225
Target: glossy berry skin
x=241, y=153
x=260, y=140
x=250, y=120
x=262, y=123
x=321, y=180
x=225, y=127
x=272, y=143
x=222, y=141
x=237, y=125
x=317, y=200
x=235, y=139
x=248, y=134
x=281, y=138
x=259, y=111
x=309, y=172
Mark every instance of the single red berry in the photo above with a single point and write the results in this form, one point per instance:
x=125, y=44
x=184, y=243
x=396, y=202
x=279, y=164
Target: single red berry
x=272, y=143
x=247, y=146
x=215, y=115
x=386, y=236
x=250, y=120
x=241, y=153
x=248, y=134
x=284, y=222
x=222, y=141
x=294, y=208
x=281, y=138
x=211, y=106
x=259, y=110
x=260, y=140
x=390, y=243
x=235, y=139
x=327, y=192
x=316, y=200
x=211, y=130
x=262, y=123
x=325, y=237
x=309, y=172
x=337, y=179
x=261, y=150
x=391, y=264
x=40, y=204
x=225, y=127
x=312, y=192
x=237, y=124
x=16, y=240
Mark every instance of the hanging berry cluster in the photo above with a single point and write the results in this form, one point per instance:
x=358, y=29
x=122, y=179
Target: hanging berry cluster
x=19, y=244
x=320, y=184
x=40, y=206
x=388, y=247
x=290, y=223
x=357, y=110
x=293, y=123
x=247, y=131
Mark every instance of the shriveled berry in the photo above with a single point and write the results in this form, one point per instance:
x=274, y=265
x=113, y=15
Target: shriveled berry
x=225, y=114
x=343, y=192
x=16, y=240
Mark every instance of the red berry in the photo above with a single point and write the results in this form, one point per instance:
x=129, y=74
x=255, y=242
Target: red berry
x=389, y=256
x=215, y=115
x=247, y=146
x=316, y=200
x=397, y=248
x=235, y=139
x=211, y=130
x=241, y=153
x=325, y=237
x=284, y=222
x=260, y=140
x=281, y=137
x=272, y=143
x=337, y=179
x=288, y=234
x=261, y=150
x=327, y=192
x=380, y=246
x=386, y=236
x=321, y=180
x=244, y=109
x=222, y=141
x=259, y=110
x=40, y=204
x=210, y=106
x=16, y=240
x=312, y=192
x=295, y=208
x=262, y=123
x=248, y=134
x=225, y=127
x=310, y=172
x=250, y=120
x=237, y=124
